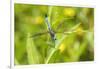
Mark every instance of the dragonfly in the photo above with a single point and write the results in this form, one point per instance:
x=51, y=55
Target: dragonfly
x=52, y=32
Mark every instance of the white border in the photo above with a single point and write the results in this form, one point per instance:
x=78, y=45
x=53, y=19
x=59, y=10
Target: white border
x=12, y=34
x=80, y=3
x=4, y=34
x=75, y=3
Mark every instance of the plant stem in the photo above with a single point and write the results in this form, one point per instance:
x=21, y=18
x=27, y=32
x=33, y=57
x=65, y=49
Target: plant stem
x=57, y=44
x=49, y=13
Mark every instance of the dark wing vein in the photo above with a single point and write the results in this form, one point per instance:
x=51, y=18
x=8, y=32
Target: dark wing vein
x=40, y=33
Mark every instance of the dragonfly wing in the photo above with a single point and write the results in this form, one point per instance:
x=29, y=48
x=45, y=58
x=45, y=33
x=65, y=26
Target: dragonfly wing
x=72, y=30
x=66, y=24
x=40, y=33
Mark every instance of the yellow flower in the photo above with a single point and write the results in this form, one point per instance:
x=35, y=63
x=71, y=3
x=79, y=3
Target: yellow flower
x=62, y=47
x=69, y=12
x=38, y=20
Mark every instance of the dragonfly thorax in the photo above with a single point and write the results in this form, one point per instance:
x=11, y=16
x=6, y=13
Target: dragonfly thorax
x=52, y=34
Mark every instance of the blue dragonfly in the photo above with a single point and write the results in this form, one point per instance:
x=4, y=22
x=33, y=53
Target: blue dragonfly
x=52, y=32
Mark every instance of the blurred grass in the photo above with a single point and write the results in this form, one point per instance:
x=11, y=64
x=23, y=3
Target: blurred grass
x=75, y=43
x=32, y=53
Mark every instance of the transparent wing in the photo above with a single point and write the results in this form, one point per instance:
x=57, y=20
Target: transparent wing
x=71, y=30
x=39, y=34
x=65, y=25
x=43, y=38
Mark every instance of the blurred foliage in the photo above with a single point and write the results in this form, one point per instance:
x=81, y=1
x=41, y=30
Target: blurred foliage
x=77, y=45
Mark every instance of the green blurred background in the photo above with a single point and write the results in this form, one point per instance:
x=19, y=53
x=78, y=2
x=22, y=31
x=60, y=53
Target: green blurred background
x=74, y=47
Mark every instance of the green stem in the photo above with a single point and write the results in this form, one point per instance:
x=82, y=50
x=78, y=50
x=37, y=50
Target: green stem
x=32, y=52
x=54, y=50
x=49, y=13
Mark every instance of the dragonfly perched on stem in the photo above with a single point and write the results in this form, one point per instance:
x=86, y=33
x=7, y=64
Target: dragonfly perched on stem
x=52, y=32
